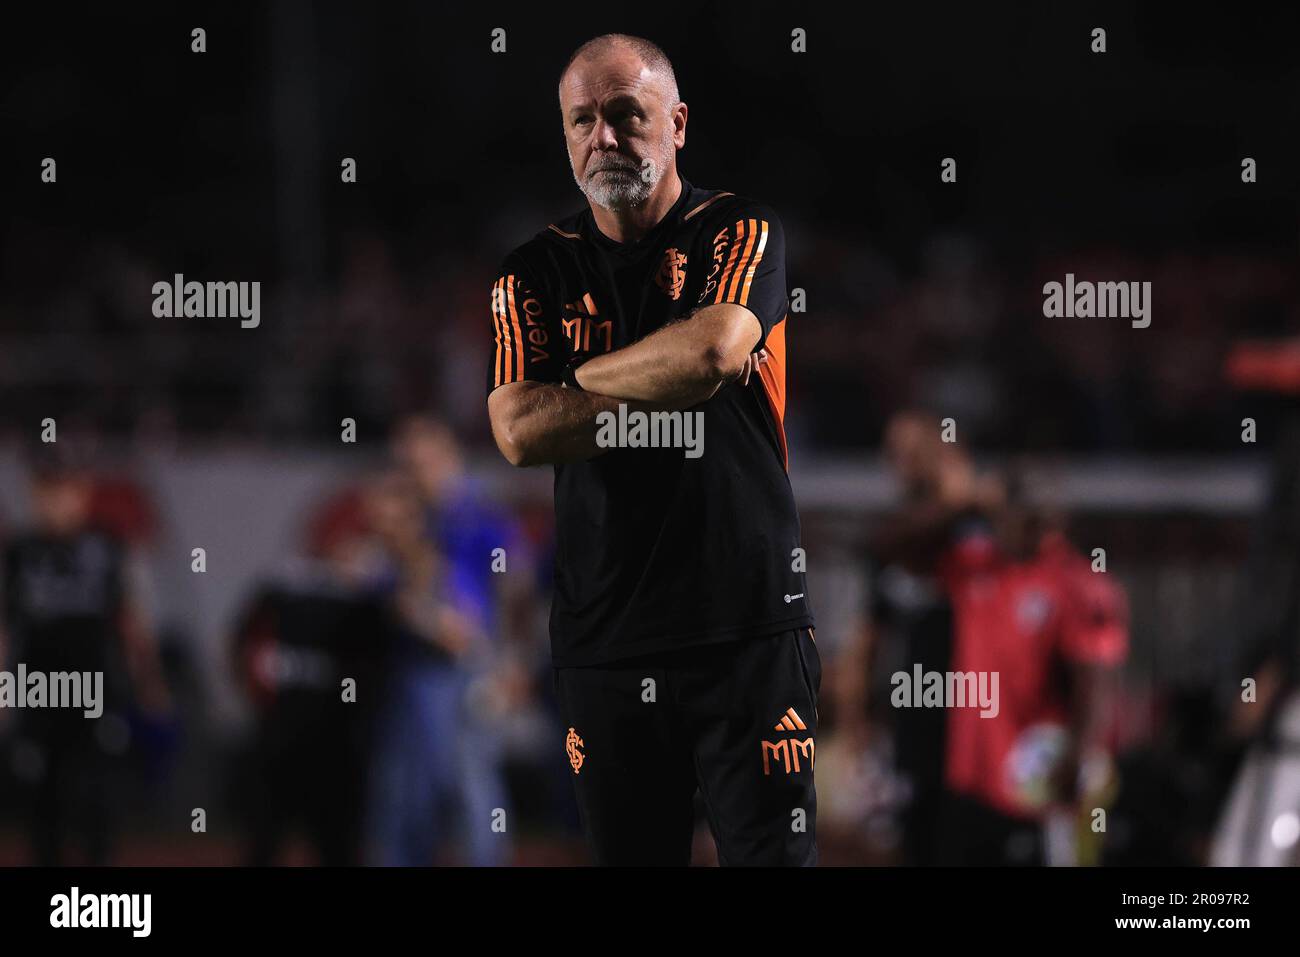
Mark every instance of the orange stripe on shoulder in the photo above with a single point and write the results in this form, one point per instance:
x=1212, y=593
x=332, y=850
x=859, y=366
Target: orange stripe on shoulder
x=497, y=323
x=518, y=332
x=725, y=279
x=754, y=261
x=557, y=229
x=751, y=238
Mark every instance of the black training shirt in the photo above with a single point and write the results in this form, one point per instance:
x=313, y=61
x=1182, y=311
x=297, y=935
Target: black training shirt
x=656, y=550
x=63, y=599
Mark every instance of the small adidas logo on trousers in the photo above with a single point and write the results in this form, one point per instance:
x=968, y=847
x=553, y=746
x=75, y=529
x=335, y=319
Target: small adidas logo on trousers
x=790, y=721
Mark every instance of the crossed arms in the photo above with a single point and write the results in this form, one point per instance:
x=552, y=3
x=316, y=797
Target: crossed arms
x=676, y=367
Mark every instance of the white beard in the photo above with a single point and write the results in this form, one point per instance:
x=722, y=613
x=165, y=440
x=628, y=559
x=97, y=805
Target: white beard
x=624, y=190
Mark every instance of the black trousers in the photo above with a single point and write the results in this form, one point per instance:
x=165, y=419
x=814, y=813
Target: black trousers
x=307, y=767
x=737, y=720
x=77, y=796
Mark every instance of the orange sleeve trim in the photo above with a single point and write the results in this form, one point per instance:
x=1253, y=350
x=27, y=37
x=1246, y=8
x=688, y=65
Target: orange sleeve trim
x=518, y=332
x=733, y=285
x=753, y=263
x=733, y=282
x=727, y=270
x=499, y=325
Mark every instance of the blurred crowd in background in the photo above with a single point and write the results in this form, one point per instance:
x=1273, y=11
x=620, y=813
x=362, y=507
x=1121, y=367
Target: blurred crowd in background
x=412, y=569
x=963, y=331
x=394, y=688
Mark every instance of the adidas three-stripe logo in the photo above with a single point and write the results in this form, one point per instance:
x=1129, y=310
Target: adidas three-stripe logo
x=790, y=721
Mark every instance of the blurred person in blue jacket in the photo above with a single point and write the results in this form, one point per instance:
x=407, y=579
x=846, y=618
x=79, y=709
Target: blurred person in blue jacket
x=438, y=758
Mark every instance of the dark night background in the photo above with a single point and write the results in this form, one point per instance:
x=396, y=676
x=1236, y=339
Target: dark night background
x=226, y=164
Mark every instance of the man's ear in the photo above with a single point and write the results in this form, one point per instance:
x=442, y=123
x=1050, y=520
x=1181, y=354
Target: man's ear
x=679, y=125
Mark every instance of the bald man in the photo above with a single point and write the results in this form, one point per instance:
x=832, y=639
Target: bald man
x=640, y=350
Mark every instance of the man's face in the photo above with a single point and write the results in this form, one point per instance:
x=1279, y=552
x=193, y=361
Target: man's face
x=622, y=129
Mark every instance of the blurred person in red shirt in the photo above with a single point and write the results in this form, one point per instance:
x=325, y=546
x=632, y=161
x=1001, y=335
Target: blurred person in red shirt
x=984, y=588
x=1030, y=610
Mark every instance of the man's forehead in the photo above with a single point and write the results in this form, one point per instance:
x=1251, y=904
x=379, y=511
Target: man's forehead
x=604, y=79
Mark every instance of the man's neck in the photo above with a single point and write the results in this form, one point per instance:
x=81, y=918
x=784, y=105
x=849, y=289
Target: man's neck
x=629, y=225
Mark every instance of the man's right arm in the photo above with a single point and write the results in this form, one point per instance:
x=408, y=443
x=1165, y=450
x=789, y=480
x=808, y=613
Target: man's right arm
x=541, y=423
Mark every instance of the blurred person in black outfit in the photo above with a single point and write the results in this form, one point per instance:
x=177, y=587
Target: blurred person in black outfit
x=373, y=601
x=938, y=485
x=308, y=629
x=68, y=607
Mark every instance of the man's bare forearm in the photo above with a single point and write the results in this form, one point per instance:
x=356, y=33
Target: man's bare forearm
x=656, y=369
x=680, y=365
x=544, y=424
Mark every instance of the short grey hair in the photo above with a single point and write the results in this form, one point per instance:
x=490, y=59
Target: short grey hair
x=651, y=54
